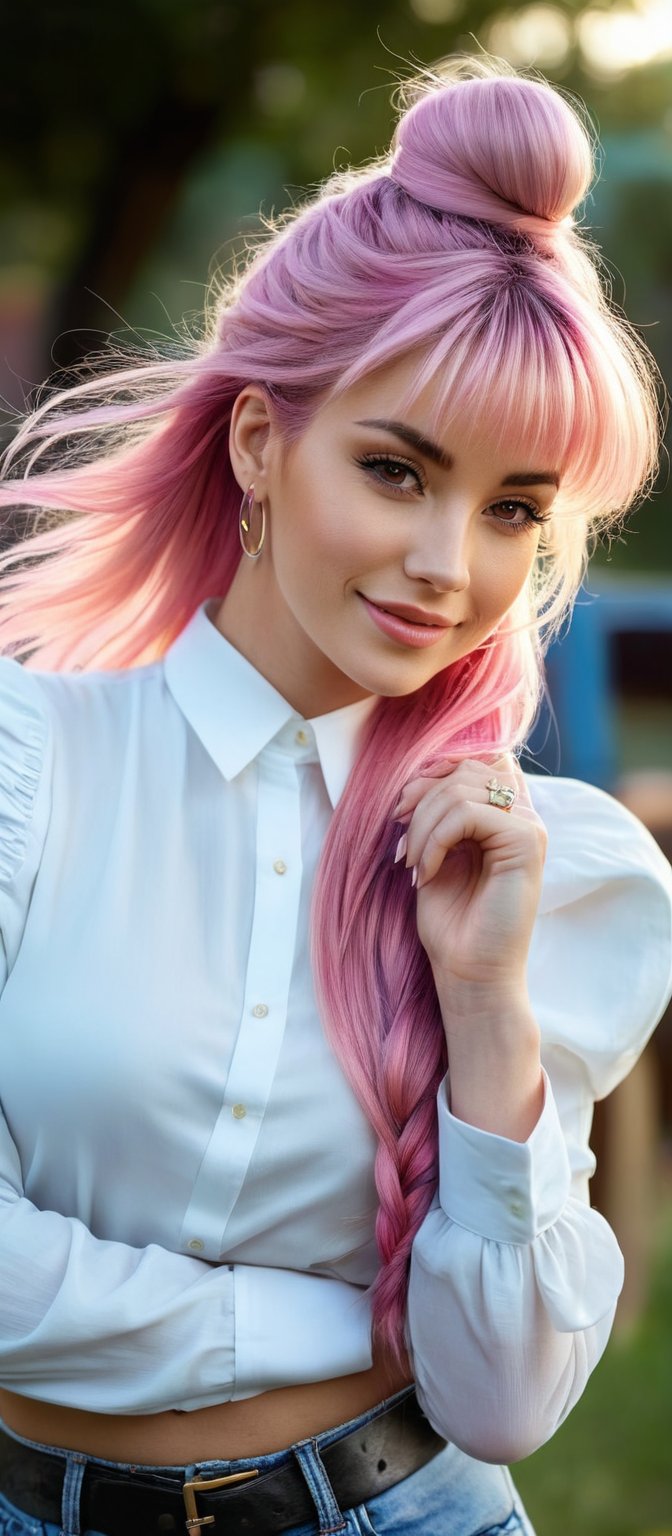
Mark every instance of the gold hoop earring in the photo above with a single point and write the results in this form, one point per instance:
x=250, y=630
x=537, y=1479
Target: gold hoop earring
x=244, y=520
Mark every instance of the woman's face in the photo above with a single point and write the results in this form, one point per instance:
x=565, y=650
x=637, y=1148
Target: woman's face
x=366, y=514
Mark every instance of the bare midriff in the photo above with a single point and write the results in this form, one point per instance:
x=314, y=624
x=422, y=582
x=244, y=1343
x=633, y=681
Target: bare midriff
x=253, y=1426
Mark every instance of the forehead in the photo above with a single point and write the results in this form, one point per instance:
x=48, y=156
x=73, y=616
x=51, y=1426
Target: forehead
x=453, y=414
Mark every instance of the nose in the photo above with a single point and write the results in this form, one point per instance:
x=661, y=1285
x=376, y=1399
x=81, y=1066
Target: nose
x=440, y=551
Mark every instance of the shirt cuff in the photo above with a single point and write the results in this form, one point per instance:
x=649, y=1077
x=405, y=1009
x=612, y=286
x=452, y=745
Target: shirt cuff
x=508, y=1191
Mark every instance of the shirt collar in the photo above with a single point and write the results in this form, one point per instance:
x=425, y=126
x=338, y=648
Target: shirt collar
x=236, y=712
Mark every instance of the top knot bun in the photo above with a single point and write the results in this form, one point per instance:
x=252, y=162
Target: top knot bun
x=496, y=147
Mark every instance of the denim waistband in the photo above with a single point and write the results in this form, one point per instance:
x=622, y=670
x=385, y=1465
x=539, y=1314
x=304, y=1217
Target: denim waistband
x=306, y=1452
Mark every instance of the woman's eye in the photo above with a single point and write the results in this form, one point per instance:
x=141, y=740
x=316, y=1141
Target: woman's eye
x=395, y=474
x=512, y=517
x=403, y=478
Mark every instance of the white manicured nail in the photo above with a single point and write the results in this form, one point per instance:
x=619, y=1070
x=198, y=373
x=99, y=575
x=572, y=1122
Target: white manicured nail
x=414, y=876
x=401, y=848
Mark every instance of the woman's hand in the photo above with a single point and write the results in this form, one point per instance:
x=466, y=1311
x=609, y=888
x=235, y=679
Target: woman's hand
x=479, y=871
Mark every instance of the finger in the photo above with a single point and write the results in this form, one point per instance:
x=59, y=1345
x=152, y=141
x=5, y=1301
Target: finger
x=527, y=812
x=473, y=770
x=521, y=806
x=520, y=783
x=506, y=769
x=504, y=761
x=430, y=811
x=416, y=789
x=469, y=821
x=472, y=767
x=453, y=792
x=517, y=779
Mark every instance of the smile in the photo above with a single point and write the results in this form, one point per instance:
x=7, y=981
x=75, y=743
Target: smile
x=413, y=632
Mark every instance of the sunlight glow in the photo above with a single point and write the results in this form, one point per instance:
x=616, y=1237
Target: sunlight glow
x=541, y=34
x=617, y=40
x=610, y=40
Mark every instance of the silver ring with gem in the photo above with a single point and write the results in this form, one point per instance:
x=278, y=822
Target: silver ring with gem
x=502, y=795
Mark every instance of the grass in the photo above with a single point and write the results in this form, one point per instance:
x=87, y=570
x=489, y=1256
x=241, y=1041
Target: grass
x=608, y=1470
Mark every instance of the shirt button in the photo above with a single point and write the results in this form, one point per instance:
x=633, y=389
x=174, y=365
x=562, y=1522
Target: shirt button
x=516, y=1208
x=239, y=1111
x=301, y=738
x=196, y=1245
x=260, y=1010
x=280, y=867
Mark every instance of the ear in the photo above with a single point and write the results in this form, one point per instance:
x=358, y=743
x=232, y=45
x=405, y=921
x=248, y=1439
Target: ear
x=250, y=437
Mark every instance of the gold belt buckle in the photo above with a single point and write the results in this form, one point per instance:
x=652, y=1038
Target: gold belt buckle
x=194, y=1521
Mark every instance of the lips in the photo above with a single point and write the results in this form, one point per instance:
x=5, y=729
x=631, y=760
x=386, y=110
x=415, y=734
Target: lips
x=412, y=615
x=418, y=634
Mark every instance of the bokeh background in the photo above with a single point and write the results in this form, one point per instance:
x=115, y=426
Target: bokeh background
x=140, y=143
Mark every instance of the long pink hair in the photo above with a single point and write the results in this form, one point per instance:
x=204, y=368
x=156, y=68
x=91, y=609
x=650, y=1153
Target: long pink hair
x=459, y=247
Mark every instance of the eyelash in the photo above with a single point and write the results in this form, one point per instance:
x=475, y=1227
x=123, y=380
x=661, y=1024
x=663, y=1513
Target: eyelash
x=371, y=462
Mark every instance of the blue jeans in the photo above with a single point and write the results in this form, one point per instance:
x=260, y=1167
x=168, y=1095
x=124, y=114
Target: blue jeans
x=452, y=1495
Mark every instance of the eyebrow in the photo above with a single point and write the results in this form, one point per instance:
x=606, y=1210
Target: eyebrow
x=435, y=452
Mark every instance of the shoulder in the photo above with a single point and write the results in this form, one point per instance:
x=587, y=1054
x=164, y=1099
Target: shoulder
x=601, y=957
x=94, y=705
x=20, y=694
x=51, y=720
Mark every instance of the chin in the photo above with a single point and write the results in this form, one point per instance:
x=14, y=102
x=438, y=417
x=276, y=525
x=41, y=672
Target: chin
x=393, y=687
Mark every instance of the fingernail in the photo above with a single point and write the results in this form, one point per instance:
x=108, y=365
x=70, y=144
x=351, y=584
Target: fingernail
x=414, y=876
x=401, y=848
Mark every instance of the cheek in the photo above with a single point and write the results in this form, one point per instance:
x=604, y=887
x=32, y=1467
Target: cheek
x=323, y=534
x=505, y=572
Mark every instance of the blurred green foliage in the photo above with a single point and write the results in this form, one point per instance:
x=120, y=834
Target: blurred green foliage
x=608, y=1470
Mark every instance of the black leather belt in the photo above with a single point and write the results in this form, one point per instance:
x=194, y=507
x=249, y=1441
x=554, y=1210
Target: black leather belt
x=155, y=1502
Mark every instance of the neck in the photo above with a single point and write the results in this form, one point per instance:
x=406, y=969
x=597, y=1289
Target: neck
x=253, y=618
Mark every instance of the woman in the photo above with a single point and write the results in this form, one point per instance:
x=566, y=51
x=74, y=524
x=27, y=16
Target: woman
x=295, y=1225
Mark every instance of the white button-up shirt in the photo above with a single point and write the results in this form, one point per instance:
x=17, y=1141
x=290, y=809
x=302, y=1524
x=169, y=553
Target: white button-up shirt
x=187, y=1197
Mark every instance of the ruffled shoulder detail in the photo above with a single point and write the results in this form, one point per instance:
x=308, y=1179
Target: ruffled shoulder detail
x=600, y=966
x=23, y=744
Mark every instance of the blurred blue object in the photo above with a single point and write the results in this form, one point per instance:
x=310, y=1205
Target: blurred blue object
x=576, y=733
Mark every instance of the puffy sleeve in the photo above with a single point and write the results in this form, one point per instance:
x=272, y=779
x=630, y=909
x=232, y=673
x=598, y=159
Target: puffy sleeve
x=514, y=1279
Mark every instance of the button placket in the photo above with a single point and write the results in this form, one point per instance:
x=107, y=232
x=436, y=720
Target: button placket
x=269, y=969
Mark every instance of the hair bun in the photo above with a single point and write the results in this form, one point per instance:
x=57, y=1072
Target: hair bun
x=496, y=147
